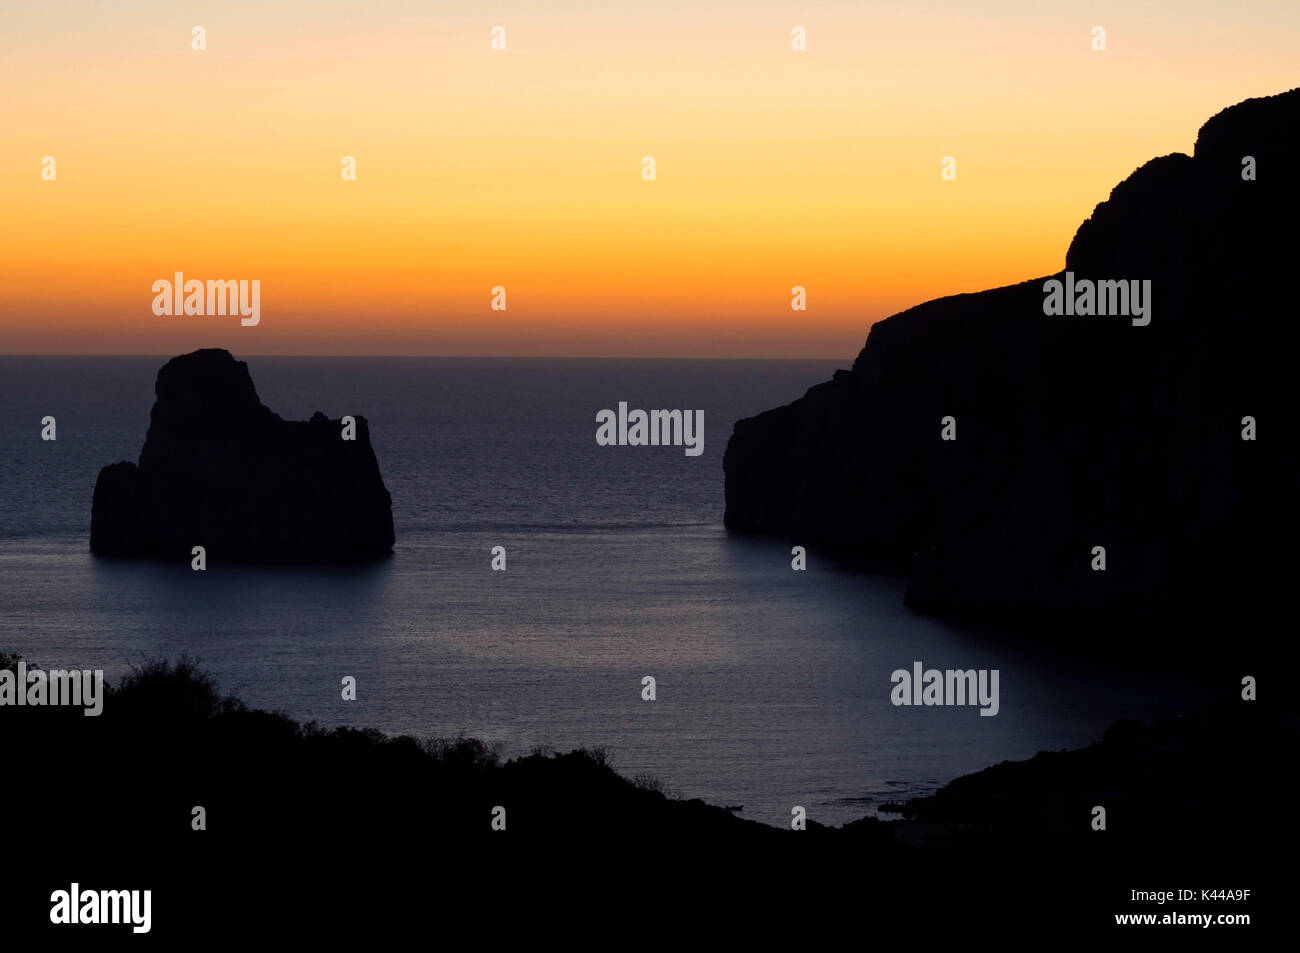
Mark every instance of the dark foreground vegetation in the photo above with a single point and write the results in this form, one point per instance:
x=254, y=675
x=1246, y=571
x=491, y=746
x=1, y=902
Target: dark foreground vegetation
x=352, y=819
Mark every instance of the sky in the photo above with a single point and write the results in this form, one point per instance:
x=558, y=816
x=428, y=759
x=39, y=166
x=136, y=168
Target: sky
x=523, y=168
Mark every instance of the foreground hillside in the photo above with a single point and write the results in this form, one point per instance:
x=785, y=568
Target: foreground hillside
x=168, y=741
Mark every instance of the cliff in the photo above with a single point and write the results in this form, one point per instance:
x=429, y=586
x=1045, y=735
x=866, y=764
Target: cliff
x=1072, y=431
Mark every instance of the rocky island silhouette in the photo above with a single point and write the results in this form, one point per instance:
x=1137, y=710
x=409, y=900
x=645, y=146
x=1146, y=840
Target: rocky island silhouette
x=221, y=471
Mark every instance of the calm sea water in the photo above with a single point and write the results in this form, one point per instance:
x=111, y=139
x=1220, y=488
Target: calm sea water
x=773, y=686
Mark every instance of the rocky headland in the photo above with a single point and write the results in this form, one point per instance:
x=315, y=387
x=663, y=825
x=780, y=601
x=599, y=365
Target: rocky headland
x=986, y=448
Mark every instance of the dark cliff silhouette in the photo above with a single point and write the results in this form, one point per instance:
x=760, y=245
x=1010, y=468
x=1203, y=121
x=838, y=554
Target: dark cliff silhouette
x=1074, y=431
x=220, y=470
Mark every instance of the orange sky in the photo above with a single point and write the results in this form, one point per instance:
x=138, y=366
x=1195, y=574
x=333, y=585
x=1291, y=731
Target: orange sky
x=522, y=168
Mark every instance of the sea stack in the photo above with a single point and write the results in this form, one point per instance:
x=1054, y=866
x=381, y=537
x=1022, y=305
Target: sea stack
x=221, y=471
x=1016, y=461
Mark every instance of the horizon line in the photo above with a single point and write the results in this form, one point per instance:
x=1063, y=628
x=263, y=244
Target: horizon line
x=443, y=357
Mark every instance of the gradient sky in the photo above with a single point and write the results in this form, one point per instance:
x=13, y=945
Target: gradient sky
x=523, y=168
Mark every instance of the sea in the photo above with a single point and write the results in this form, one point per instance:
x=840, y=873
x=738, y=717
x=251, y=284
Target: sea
x=772, y=686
